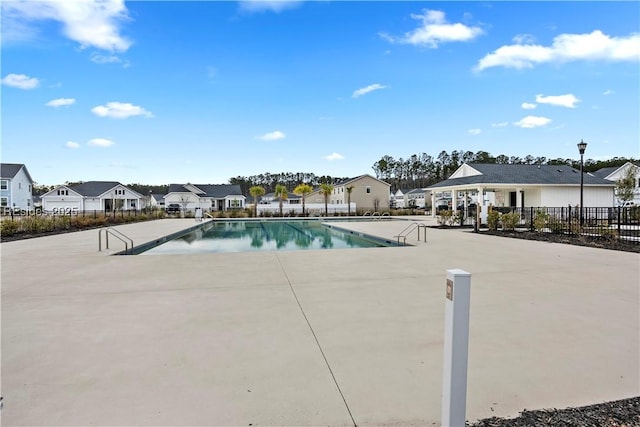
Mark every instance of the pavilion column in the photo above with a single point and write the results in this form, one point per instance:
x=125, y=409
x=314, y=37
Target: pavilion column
x=433, y=204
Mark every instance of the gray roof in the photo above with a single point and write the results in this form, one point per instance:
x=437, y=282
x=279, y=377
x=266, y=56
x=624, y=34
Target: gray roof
x=290, y=196
x=416, y=191
x=348, y=180
x=94, y=188
x=9, y=170
x=158, y=197
x=523, y=174
x=602, y=173
x=216, y=191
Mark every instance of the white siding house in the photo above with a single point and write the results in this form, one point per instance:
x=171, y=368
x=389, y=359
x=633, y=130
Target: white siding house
x=92, y=195
x=524, y=186
x=16, y=187
x=614, y=174
x=208, y=197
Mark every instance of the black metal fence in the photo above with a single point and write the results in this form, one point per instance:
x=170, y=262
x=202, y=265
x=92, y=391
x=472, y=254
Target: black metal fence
x=613, y=222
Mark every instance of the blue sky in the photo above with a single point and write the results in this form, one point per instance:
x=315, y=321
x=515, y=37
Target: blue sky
x=161, y=92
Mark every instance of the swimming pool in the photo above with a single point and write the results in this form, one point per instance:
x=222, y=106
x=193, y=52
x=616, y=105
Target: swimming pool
x=245, y=236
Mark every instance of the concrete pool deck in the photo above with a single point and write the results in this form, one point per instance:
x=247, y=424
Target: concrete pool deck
x=306, y=338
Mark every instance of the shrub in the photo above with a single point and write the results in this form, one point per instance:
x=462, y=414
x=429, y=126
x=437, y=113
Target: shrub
x=454, y=219
x=493, y=218
x=606, y=232
x=8, y=227
x=510, y=220
x=541, y=220
x=555, y=225
x=444, y=216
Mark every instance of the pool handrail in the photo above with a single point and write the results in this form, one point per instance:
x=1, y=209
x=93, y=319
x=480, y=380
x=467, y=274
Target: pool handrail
x=117, y=234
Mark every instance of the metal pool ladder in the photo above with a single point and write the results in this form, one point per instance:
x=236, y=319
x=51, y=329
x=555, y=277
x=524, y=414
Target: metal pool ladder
x=118, y=235
x=408, y=229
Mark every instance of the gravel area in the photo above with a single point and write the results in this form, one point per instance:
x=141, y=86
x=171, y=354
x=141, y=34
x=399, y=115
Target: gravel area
x=619, y=413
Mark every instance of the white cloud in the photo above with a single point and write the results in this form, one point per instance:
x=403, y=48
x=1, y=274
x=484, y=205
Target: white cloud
x=21, y=81
x=435, y=30
x=120, y=110
x=565, y=48
x=567, y=100
x=608, y=92
x=500, y=125
x=365, y=90
x=272, y=136
x=60, y=102
x=524, y=39
x=89, y=22
x=528, y=106
x=108, y=59
x=268, y=5
x=474, y=131
x=334, y=156
x=71, y=144
x=100, y=142
x=532, y=122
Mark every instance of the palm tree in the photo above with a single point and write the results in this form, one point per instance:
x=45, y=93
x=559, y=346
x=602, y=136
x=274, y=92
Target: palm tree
x=281, y=193
x=349, y=190
x=256, y=191
x=303, y=190
x=326, y=189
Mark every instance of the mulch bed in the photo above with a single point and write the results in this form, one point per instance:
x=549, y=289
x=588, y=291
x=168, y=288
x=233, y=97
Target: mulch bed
x=619, y=413
x=593, y=242
x=24, y=236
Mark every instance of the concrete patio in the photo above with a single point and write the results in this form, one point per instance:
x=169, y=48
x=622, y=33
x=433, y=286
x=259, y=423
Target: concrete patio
x=306, y=338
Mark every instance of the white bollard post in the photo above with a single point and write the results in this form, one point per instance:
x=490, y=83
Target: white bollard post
x=456, y=348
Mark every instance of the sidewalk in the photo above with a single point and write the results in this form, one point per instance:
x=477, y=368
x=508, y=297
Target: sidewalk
x=308, y=338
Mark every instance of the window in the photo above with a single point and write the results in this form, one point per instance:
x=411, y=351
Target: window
x=4, y=201
x=63, y=192
x=368, y=190
x=19, y=186
x=4, y=184
x=30, y=189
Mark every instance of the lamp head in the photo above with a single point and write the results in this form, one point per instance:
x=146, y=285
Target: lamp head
x=582, y=146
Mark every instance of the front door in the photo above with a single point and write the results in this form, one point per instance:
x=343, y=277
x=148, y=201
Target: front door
x=513, y=199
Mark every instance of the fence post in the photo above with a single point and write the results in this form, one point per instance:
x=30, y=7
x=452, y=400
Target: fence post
x=619, y=227
x=531, y=218
x=456, y=348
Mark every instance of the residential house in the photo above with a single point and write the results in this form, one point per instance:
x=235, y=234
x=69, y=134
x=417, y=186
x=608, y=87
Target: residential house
x=397, y=199
x=616, y=173
x=270, y=198
x=156, y=200
x=16, y=186
x=416, y=198
x=525, y=186
x=368, y=193
x=92, y=195
x=208, y=197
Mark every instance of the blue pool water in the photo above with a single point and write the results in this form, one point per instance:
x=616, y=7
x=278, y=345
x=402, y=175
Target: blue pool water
x=244, y=236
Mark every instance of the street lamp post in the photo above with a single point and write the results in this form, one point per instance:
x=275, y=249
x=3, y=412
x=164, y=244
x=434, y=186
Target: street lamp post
x=582, y=146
